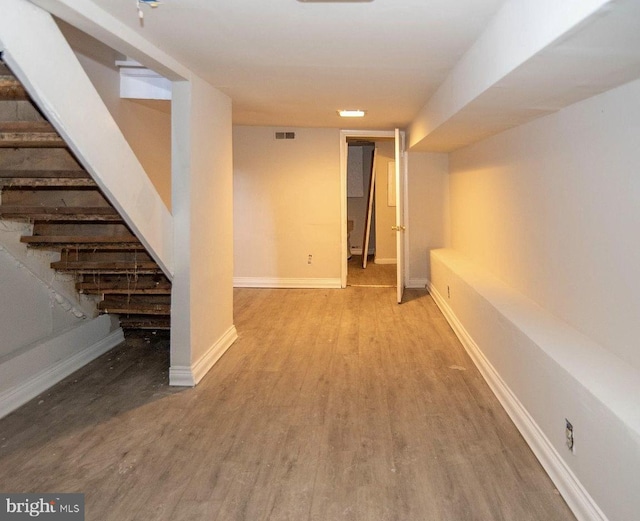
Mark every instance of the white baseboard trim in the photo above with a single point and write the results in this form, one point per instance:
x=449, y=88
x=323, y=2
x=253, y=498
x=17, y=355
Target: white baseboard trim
x=285, y=283
x=96, y=331
x=579, y=500
x=378, y=260
x=183, y=376
x=416, y=283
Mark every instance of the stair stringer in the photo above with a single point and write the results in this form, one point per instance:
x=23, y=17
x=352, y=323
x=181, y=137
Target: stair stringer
x=70, y=102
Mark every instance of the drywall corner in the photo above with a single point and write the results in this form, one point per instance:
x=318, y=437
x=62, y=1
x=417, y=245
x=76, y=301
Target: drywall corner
x=182, y=376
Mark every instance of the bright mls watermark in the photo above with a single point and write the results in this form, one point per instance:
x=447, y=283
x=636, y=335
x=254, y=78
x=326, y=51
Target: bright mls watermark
x=49, y=507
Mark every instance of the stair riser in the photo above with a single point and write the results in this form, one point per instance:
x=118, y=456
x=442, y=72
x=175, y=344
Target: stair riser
x=62, y=197
x=34, y=159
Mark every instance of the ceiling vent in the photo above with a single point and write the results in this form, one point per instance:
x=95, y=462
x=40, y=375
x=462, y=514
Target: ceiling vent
x=285, y=135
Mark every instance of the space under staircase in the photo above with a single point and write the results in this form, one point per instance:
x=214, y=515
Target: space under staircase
x=43, y=184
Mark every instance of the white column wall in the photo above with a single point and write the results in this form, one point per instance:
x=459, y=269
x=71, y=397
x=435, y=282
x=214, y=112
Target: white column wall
x=202, y=195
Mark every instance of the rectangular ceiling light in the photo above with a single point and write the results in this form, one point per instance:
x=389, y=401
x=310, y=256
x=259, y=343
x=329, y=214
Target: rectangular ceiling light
x=351, y=113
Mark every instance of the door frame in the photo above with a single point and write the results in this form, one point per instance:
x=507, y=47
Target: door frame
x=344, y=150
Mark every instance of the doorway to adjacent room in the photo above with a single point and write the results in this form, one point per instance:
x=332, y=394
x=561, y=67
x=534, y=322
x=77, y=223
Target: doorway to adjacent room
x=373, y=227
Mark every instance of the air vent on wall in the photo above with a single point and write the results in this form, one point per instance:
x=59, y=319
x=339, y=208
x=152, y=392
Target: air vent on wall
x=285, y=135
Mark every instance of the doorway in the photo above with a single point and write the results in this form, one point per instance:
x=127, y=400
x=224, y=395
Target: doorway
x=371, y=247
x=390, y=168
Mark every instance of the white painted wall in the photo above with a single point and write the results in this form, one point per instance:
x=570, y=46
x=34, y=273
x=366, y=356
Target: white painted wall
x=286, y=207
x=552, y=209
x=280, y=188
x=385, y=215
x=428, y=205
x=146, y=124
x=547, y=214
x=202, y=297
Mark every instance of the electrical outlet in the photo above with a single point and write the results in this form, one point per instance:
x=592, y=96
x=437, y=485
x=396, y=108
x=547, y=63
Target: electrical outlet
x=569, y=435
x=310, y=259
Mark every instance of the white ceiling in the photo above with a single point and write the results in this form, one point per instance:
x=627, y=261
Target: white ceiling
x=599, y=54
x=289, y=63
x=451, y=72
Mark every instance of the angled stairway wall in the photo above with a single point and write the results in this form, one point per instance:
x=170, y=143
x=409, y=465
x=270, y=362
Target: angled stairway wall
x=48, y=332
x=70, y=102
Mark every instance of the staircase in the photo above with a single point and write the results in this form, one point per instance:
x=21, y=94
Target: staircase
x=42, y=183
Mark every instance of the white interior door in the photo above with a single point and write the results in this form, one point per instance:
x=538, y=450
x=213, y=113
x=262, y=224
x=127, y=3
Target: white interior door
x=399, y=227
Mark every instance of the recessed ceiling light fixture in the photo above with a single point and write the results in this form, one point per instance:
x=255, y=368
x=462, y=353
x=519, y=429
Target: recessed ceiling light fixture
x=351, y=113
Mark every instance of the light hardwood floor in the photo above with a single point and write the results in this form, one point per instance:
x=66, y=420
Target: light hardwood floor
x=332, y=405
x=373, y=275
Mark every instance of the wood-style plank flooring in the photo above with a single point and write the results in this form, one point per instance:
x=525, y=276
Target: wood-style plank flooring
x=332, y=405
x=373, y=275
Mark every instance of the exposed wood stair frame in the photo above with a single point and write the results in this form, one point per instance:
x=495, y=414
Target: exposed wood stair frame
x=42, y=183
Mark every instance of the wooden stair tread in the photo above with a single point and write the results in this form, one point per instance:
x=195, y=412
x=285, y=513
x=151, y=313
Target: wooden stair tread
x=125, y=287
x=22, y=126
x=104, y=239
x=29, y=134
x=84, y=241
x=88, y=246
x=62, y=210
x=62, y=213
x=47, y=182
x=44, y=174
x=107, y=266
x=125, y=291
